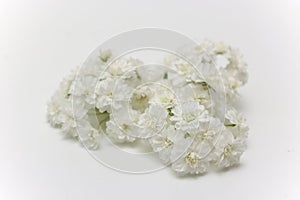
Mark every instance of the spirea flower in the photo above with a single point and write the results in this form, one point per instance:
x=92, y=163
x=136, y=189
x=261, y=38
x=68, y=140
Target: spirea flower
x=190, y=117
x=177, y=110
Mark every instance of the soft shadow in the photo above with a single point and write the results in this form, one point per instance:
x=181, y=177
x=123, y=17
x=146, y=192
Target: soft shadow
x=216, y=171
x=229, y=169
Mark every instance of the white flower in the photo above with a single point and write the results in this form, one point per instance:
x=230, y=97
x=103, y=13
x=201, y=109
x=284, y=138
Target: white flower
x=186, y=158
x=54, y=108
x=105, y=55
x=149, y=73
x=179, y=65
x=207, y=139
x=118, y=67
x=122, y=66
x=71, y=116
x=163, y=96
x=140, y=98
x=119, y=133
x=104, y=91
x=176, y=80
x=190, y=163
x=88, y=135
x=66, y=84
x=228, y=150
x=190, y=117
x=195, y=92
x=164, y=141
x=152, y=120
x=84, y=87
x=236, y=123
x=59, y=100
x=195, y=153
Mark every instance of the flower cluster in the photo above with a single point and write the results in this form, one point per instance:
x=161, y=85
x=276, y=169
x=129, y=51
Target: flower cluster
x=184, y=112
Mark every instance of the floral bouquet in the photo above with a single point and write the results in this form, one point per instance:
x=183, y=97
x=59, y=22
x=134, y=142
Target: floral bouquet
x=184, y=113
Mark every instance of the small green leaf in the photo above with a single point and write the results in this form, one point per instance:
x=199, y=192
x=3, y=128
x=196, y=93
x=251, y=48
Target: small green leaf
x=230, y=125
x=170, y=112
x=187, y=135
x=166, y=75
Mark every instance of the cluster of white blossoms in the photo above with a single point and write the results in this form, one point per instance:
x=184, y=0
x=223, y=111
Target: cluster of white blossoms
x=184, y=112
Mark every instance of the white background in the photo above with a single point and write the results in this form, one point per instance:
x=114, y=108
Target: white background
x=41, y=41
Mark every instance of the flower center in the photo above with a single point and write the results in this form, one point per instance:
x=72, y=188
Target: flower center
x=168, y=142
x=227, y=149
x=189, y=117
x=192, y=159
